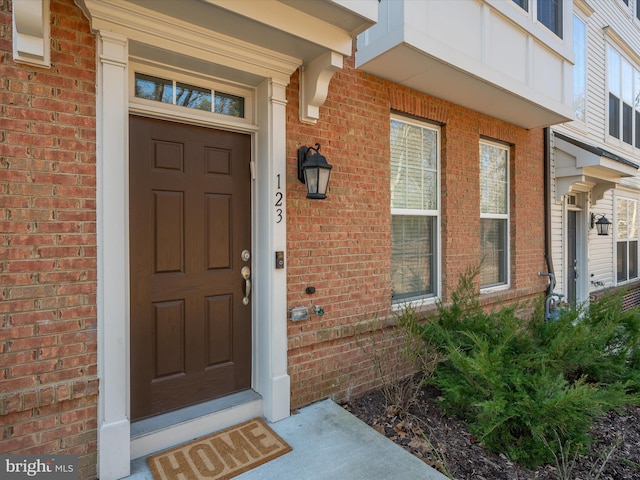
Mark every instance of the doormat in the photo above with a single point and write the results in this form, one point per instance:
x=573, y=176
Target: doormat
x=221, y=455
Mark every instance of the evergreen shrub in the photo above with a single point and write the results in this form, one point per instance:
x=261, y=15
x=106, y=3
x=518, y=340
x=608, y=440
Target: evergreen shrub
x=521, y=384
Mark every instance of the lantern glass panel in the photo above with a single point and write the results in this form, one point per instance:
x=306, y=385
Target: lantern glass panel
x=311, y=179
x=323, y=180
x=602, y=226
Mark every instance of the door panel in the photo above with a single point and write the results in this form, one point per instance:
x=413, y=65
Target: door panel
x=168, y=209
x=190, y=219
x=218, y=222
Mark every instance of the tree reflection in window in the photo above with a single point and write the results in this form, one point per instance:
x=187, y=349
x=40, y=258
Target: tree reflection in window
x=184, y=95
x=153, y=88
x=193, y=97
x=227, y=104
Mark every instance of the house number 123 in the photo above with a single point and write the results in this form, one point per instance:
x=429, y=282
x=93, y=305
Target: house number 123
x=278, y=204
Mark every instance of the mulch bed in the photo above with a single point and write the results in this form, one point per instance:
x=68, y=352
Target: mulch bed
x=447, y=445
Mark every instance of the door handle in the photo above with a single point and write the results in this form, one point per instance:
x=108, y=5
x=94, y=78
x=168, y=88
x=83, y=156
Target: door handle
x=246, y=275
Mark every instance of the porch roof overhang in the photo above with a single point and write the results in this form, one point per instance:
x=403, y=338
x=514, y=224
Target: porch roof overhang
x=244, y=40
x=581, y=167
x=483, y=55
x=409, y=66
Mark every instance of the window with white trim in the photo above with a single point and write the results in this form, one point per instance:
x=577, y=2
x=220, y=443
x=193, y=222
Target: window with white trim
x=415, y=209
x=494, y=214
x=580, y=69
x=523, y=4
x=547, y=12
x=623, y=80
x=626, y=239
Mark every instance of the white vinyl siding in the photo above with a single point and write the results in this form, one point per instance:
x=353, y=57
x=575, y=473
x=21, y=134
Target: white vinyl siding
x=601, y=249
x=607, y=25
x=415, y=209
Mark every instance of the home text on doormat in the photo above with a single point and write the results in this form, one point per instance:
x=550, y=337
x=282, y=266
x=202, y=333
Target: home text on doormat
x=219, y=456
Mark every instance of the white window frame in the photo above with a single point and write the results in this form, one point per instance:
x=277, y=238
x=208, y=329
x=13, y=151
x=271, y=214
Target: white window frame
x=532, y=9
x=627, y=239
x=559, y=34
x=576, y=72
x=503, y=216
x=195, y=116
x=626, y=6
x=619, y=141
x=432, y=297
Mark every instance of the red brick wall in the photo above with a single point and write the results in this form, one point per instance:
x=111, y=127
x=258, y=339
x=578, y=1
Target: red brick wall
x=48, y=384
x=341, y=245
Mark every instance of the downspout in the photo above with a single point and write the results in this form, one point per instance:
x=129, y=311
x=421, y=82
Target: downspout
x=547, y=209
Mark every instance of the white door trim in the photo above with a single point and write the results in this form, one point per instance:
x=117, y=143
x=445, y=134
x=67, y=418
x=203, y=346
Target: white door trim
x=113, y=272
x=582, y=281
x=270, y=337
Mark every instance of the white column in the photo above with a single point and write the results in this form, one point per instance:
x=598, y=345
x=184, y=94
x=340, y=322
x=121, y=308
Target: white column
x=272, y=379
x=113, y=260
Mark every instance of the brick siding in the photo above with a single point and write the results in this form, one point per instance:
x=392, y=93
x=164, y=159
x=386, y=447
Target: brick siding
x=631, y=298
x=341, y=245
x=629, y=294
x=48, y=383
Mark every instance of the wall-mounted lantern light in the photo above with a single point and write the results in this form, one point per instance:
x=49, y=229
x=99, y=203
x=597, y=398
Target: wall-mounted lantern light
x=602, y=224
x=313, y=171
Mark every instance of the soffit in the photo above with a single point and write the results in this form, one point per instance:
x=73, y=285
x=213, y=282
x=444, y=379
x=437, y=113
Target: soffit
x=296, y=31
x=299, y=29
x=244, y=41
x=582, y=167
x=406, y=65
x=168, y=38
x=294, y=25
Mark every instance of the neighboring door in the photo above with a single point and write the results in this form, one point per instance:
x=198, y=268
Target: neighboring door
x=572, y=257
x=190, y=236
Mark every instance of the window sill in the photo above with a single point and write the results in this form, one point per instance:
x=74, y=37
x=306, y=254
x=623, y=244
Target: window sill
x=415, y=303
x=497, y=288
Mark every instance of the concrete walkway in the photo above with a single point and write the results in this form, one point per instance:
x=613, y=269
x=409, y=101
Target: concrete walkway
x=330, y=444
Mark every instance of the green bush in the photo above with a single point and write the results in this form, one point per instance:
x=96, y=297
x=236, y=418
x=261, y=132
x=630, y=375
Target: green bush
x=522, y=383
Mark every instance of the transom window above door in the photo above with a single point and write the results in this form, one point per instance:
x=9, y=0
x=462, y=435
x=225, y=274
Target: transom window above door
x=190, y=96
x=154, y=87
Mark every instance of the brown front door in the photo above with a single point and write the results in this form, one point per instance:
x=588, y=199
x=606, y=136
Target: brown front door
x=190, y=221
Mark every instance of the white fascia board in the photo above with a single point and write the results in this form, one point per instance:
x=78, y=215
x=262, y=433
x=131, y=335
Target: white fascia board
x=293, y=21
x=152, y=28
x=367, y=10
x=586, y=159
